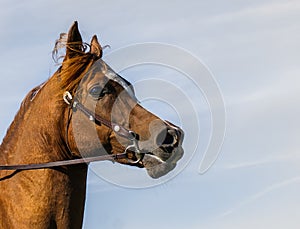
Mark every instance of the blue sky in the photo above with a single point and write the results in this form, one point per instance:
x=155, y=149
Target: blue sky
x=253, y=50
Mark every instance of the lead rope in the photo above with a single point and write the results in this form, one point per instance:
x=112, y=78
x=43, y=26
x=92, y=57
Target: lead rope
x=111, y=157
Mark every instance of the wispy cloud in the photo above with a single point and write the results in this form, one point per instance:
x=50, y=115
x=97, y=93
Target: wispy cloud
x=282, y=158
x=262, y=193
x=265, y=10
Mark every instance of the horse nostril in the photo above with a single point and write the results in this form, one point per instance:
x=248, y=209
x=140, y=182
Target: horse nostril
x=169, y=139
x=166, y=138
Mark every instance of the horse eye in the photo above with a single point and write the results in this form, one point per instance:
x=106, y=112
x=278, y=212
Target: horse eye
x=98, y=92
x=95, y=91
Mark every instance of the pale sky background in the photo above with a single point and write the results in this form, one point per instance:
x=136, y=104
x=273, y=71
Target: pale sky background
x=253, y=50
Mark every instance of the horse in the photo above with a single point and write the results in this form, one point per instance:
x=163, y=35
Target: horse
x=85, y=110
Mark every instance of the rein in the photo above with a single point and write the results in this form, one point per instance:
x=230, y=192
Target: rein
x=120, y=130
x=111, y=157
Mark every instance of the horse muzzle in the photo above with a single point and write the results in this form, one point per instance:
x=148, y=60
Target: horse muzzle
x=163, y=150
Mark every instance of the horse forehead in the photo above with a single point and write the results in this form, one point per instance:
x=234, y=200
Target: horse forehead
x=101, y=71
x=106, y=72
x=104, y=77
x=112, y=75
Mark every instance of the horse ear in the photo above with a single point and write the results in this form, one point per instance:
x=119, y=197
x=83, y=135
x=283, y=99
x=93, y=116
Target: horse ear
x=96, y=48
x=74, y=42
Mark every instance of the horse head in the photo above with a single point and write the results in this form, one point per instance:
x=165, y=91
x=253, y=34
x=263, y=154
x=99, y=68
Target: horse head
x=110, y=119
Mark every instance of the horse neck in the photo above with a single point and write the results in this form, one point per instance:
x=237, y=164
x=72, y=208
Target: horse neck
x=36, y=133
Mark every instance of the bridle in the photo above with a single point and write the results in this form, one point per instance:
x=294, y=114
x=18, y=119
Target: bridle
x=133, y=137
x=75, y=105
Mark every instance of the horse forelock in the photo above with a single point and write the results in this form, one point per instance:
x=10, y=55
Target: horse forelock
x=62, y=43
x=73, y=68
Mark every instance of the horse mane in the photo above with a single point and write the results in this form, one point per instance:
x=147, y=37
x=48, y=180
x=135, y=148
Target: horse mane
x=73, y=67
x=73, y=70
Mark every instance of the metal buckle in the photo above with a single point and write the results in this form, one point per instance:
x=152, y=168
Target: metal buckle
x=138, y=154
x=67, y=97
